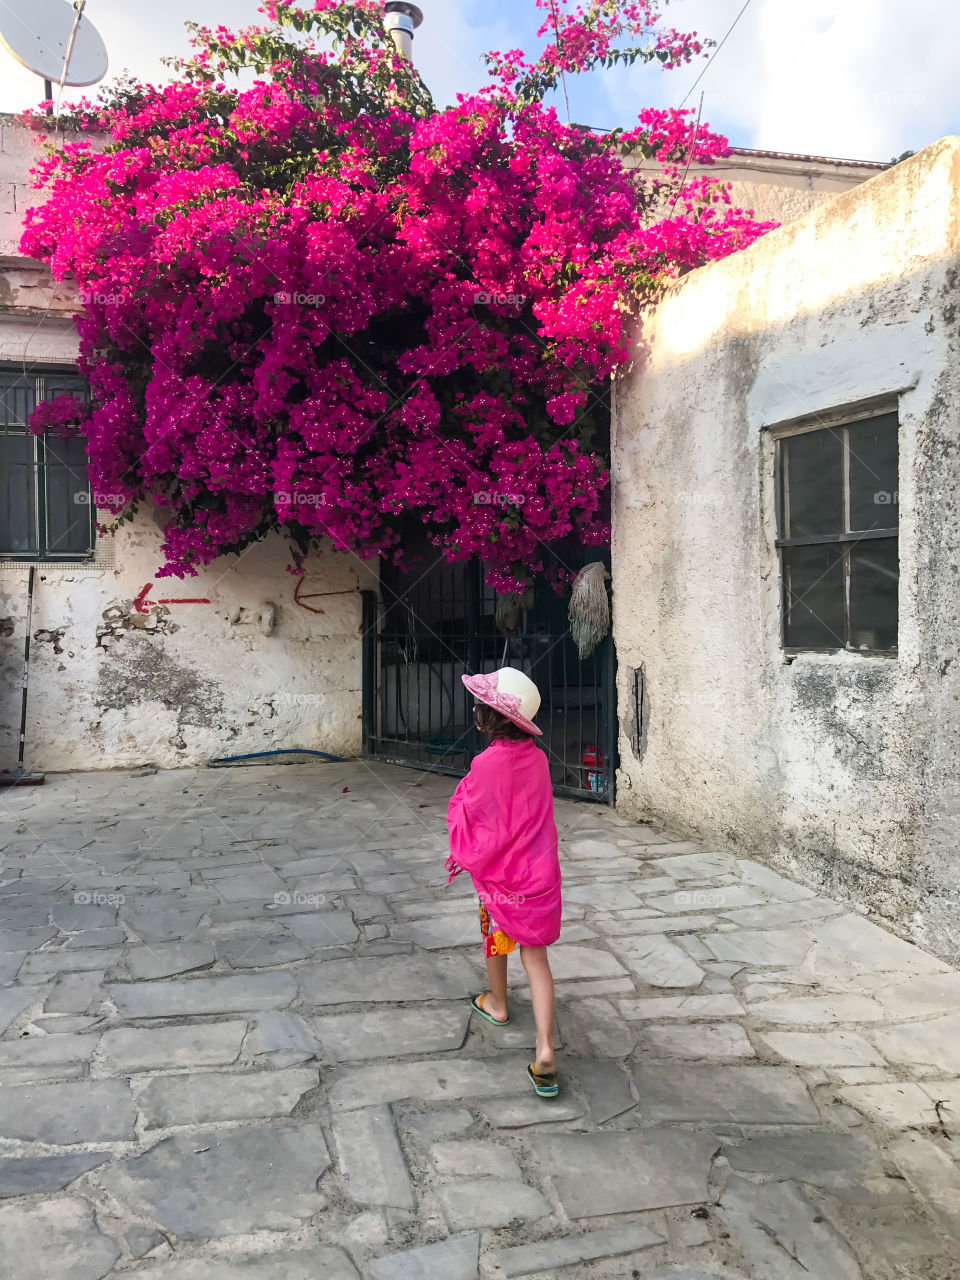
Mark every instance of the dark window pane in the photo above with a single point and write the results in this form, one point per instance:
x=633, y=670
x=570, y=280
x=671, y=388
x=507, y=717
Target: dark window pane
x=873, y=473
x=813, y=593
x=18, y=509
x=67, y=497
x=813, y=484
x=874, y=573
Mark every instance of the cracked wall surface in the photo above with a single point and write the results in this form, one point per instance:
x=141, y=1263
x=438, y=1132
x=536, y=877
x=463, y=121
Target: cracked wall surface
x=839, y=766
x=118, y=678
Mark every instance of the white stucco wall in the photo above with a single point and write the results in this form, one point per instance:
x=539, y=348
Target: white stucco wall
x=842, y=768
x=253, y=670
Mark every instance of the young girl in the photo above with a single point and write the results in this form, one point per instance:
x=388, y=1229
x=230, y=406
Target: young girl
x=503, y=833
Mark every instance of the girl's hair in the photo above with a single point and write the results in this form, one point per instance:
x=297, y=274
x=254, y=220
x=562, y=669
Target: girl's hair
x=497, y=725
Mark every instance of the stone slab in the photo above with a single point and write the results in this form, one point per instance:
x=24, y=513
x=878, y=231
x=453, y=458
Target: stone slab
x=870, y=947
x=824, y=1049
x=489, y=1202
x=163, y=959
x=900, y=1105
x=604, y=1030
x=63, y=1114
x=570, y=961
x=373, y=980
x=821, y=1159
x=717, y=1040
x=453, y=1259
x=760, y=947
x=255, y=951
x=125, y=1049
x=212, y=1096
x=475, y=1159
x=76, y=992
x=55, y=1238
x=812, y=1011
x=182, y=998
x=282, y=1037
x=544, y=1256
x=659, y=962
x=697, y=1006
x=325, y=928
x=921, y=995
x=434, y=1028
x=32, y=1175
x=324, y=1263
x=48, y=1050
x=654, y=1168
x=527, y=1110
x=353, y=1087
x=214, y=1183
x=744, y=1095
x=933, y=1175
x=935, y=1043
x=604, y=1084
x=781, y=1234
x=373, y=1164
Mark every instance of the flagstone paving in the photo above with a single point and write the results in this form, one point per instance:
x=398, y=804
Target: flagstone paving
x=235, y=1041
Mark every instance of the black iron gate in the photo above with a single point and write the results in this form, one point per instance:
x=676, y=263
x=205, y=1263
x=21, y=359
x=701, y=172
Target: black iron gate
x=436, y=623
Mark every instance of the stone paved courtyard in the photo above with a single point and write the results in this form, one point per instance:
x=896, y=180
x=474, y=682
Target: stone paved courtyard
x=235, y=1042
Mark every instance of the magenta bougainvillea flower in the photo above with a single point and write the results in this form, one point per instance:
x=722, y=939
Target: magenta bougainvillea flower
x=318, y=303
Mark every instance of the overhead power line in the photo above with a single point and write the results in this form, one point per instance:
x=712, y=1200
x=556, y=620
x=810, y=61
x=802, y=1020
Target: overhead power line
x=716, y=51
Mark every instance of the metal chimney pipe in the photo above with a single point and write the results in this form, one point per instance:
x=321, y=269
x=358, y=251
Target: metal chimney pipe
x=400, y=19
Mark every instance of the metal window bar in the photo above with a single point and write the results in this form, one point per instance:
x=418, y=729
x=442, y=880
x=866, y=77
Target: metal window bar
x=845, y=539
x=48, y=511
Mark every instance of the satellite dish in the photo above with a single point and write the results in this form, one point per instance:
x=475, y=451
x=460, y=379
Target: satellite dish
x=53, y=39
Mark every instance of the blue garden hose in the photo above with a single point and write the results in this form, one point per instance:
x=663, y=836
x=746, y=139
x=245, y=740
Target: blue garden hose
x=224, y=761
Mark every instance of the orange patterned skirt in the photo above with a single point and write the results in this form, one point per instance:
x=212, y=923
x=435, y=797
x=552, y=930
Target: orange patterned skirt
x=495, y=941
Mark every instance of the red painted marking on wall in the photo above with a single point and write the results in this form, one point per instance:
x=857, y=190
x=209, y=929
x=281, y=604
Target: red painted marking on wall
x=143, y=605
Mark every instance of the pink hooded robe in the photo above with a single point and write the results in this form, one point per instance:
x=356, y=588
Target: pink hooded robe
x=502, y=831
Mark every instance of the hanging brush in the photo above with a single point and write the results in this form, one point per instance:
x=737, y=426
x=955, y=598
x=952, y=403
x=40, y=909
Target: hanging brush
x=589, y=611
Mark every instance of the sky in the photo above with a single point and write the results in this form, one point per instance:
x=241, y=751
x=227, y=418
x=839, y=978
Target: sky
x=862, y=79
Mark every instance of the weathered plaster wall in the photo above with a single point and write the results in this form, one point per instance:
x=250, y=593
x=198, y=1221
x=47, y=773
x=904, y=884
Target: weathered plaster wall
x=113, y=684
x=841, y=768
x=781, y=188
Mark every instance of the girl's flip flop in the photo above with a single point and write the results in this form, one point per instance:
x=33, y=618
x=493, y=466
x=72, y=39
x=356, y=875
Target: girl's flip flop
x=545, y=1086
x=476, y=1003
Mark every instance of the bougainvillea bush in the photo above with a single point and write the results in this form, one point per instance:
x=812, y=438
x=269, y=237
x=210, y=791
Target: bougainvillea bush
x=314, y=302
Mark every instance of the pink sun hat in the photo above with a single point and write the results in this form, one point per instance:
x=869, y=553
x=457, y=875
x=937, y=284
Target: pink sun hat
x=510, y=692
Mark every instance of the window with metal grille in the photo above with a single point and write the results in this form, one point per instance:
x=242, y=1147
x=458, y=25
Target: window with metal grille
x=838, y=507
x=46, y=512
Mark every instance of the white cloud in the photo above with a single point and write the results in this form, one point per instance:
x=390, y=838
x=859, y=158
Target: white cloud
x=858, y=78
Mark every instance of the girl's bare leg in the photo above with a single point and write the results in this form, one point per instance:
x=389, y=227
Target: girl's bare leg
x=495, y=1002
x=537, y=968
